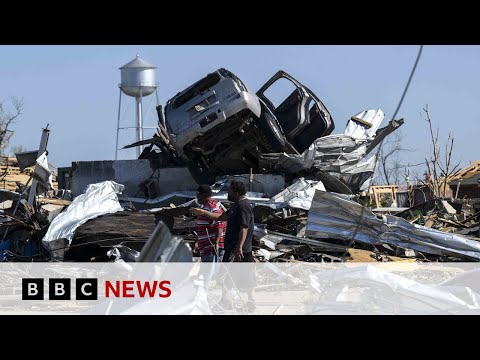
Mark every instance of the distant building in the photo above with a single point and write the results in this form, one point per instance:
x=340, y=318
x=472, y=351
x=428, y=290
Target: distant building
x=466, y=181
x=401, y=196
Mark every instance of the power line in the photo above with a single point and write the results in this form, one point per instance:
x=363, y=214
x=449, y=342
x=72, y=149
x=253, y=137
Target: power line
x=408, y=82
x=381, y=143
x=398, y=108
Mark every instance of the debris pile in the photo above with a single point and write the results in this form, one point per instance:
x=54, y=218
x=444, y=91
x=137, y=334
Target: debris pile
x=450, y=216
x=306, y=199
x=22, y=225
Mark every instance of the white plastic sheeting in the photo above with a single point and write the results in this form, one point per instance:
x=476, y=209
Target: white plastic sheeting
x=331, y=216
x=98, y=199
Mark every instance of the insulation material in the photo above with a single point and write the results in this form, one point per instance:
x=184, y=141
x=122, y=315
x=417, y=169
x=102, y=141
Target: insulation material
x=98, y=199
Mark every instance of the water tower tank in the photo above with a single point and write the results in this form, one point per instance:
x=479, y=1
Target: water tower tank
x=138, y=78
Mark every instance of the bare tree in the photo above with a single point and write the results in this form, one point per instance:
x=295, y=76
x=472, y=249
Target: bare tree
x=438, y=171
x=7, y=119
x=391, y=167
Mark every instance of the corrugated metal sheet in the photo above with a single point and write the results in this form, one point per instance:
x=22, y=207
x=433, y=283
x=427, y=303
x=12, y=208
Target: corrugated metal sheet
x=342, y=155
x=332, y=216
x=359, y=131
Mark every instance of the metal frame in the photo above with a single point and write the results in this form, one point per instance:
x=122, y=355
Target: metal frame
x=139, y=121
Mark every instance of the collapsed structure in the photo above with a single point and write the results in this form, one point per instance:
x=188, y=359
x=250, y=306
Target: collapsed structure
x=304, y=185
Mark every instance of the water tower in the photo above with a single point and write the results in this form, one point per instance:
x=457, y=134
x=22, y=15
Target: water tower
x=138, y=81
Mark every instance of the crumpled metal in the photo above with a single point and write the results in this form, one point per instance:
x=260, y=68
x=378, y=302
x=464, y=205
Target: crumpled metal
x=299, y=195
x=332, y=216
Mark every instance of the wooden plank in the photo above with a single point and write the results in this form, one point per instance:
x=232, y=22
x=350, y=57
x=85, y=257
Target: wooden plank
x=454, y=223
x=415, y=219
x=429, y=223
x=10, y=170
x=54, y=201
x=360, y=255
x=361, y=121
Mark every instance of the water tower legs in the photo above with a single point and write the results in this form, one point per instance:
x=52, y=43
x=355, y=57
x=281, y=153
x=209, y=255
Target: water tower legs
x=139, y=123
x=118, y=123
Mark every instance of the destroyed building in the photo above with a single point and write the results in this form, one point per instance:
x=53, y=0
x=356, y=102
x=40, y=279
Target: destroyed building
x=305, y=185
x=465, y=183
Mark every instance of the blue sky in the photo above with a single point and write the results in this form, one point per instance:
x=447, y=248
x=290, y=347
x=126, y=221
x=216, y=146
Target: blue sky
x=75, y=89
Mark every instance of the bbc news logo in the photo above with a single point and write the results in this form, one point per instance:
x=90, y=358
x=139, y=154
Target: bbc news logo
x=87, y=289
x=59, y=289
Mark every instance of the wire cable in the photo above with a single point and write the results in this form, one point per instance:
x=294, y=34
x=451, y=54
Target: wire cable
x=408, y=82
x=380, y=147
x=398, y=106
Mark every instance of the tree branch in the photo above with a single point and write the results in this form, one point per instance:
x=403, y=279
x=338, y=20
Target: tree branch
x=7, y=119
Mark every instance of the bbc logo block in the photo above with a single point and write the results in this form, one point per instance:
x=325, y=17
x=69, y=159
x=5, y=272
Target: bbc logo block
x=59, y=289
x=32, y=289
x=86, y=289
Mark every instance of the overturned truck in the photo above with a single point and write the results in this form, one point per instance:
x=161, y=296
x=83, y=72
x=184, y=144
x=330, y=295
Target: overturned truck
x=218, y=126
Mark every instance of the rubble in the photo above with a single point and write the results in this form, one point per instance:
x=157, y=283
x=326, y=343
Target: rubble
x=162, y=247
x=51, y=211
x=305, y=186
x=341, y=156
x=122, y=230
x=303, y=222
x=451, y=216
x=334, y=217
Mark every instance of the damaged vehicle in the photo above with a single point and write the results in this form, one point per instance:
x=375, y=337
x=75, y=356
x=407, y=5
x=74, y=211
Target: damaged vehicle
x=302, y=116
x=221, y=127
